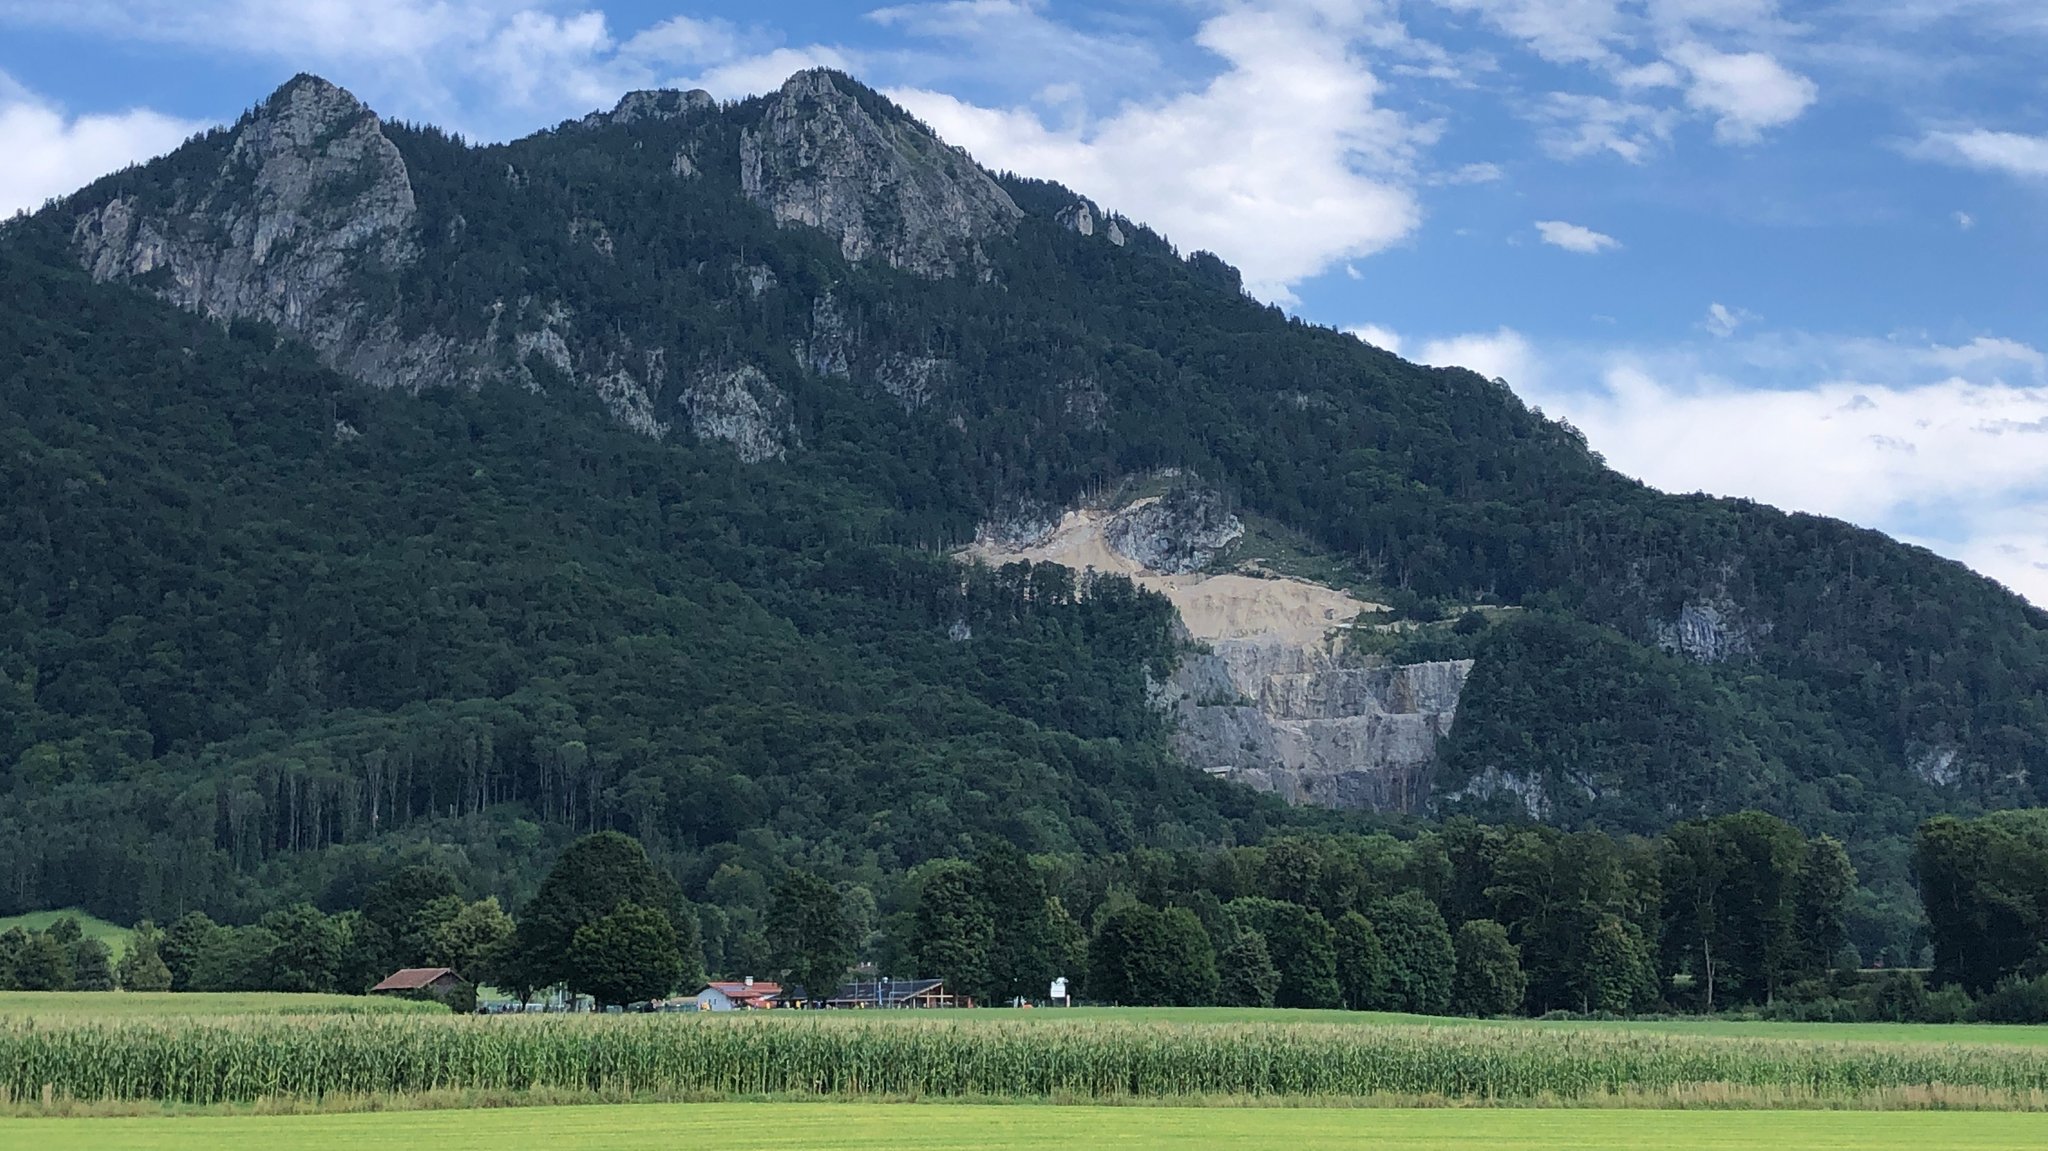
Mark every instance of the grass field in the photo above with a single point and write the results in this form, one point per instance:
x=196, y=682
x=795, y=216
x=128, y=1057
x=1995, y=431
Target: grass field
x=74, y=1006
x=113, y=935
x=872, y=1127
x=1723, y=1028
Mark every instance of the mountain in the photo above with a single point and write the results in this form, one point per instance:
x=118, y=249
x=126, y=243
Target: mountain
x=376, y=493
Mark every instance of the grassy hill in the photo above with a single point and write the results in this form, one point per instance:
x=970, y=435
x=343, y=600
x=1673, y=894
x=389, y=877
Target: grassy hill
x=111, y=934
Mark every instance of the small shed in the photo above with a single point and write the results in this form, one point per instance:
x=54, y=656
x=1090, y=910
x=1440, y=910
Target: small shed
x=424, y=983
x=738, y=995
x=893, y=993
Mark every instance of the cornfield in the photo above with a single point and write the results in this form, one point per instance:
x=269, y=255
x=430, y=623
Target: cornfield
x=200, y=1061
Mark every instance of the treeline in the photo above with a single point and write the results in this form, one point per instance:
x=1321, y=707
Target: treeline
x=605, y=922
x=1738, y=912
x=1985, y=885
x=1719, y=913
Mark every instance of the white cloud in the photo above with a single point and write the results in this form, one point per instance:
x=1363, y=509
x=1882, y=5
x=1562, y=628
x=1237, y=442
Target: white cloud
x=1481, y=173
x=1965, y=221
x=1561, y=31
x=1748, y=92
x=1284, y=163
x=1501, y=355
x=1574, y=237
x=1722, y=320
x=50, y=153
x=1656, y=74
x=1384, y=338
x=491, y=69
x=2009, y=152
x=1577, y=125
x=1987, y=352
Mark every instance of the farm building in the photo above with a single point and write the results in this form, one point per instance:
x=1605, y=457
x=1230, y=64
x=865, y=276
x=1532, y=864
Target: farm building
x=424, y=983
x=894, y=993
x=741, y=995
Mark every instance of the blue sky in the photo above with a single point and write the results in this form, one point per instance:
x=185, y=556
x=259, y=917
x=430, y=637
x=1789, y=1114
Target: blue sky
x=1789, y=250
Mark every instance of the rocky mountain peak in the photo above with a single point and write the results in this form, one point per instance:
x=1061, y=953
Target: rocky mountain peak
x=654, y=104
x=308, y=192
x=306, y=107
x=828, y=153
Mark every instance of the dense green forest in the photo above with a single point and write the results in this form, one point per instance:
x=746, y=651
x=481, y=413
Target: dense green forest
x=269, y=632
x=1739, y=912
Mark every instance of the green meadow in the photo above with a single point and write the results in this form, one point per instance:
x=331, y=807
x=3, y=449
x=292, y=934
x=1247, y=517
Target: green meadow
x=883, y=1127
x=112, y=934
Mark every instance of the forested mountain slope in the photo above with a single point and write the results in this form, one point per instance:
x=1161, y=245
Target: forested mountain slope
x=607, y=478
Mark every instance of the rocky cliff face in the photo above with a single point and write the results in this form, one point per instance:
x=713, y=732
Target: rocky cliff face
x=1180, y=532
x=886, y=187
x=1264, y=696
x=308, y=220
x=1294, y=720
x=309, y=195
x=1709, y=631
x=744, y=408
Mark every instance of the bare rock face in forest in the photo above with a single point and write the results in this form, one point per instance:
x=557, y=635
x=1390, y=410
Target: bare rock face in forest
x=1265, y=695
x=884, y=185
x=310, y=197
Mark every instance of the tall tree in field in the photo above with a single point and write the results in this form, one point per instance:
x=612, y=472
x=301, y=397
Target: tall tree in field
x=1362, y=973
x=1984, y=883
x=473, y=943
x=308, y=950
x=626, y=956
x=1145, y=956
x=1489, y=976
x=1069, y=942
x=142, y=965
x=12, y=941
x=1245, y=973
x=1820, y=926
x=187, y=943
x=810, y=938
x=42, y=964
x=592, y=878
x=1420, y=959
x=952, y=932
x=92, y=966
x=1616, y=972
x=1302, y=946
x=394, y=932
x=1731, y=914
x=1020, y=955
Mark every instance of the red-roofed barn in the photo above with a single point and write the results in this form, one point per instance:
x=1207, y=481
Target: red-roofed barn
x=423, y=983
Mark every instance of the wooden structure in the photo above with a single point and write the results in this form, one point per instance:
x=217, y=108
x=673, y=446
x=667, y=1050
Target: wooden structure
x=424, y=983
x=893, y=993
x=737, y=995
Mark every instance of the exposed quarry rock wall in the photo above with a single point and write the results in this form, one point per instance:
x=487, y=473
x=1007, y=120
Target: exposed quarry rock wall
x=1293, y=720
x=1265, y=699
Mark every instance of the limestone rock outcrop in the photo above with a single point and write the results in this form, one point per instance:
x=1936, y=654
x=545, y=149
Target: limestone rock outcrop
x=1180, y=532
x=741, y=406
x=309, y=194
x=1709, y=631
x=885, y=187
